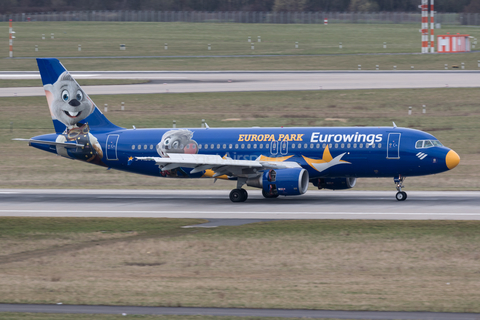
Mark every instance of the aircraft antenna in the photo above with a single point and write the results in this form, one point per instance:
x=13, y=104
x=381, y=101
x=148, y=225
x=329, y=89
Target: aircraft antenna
x=394, y=125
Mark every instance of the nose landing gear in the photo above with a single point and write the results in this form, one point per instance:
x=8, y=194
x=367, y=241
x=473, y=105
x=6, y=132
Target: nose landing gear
x=401, y=195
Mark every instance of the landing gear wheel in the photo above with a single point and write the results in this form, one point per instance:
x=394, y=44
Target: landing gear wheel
x=268, y=196
x=238, y=195
x=401, y=196
x=245, y=194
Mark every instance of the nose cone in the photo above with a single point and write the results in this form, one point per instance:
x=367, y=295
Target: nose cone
x=452, y=159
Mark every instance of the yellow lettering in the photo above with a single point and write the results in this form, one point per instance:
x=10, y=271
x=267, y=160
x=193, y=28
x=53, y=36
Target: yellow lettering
x=254, y=137
x=280, y=137
x=248, y=137
x=300, y=137
x=271, y=138
x=240, y=137
x=260, y=137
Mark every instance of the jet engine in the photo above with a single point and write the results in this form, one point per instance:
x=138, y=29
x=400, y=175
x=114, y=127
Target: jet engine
x=286, y=182
x=335, y=183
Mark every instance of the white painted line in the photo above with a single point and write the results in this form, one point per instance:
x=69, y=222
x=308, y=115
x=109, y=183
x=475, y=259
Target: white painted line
x=238, y=212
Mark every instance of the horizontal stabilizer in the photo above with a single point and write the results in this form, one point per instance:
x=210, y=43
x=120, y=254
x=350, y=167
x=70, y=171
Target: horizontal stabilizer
x=51, y=143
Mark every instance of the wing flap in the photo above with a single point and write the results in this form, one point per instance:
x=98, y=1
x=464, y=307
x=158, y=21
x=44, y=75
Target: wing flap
x=221, y=166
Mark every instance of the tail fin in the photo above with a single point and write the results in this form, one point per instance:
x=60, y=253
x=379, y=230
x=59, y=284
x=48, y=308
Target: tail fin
x=69, y=105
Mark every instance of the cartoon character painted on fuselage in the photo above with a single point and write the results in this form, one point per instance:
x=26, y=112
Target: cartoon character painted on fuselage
x=177, y=141
x=70, y=105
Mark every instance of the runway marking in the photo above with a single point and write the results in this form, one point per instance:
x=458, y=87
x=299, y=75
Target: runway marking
x=238, y=212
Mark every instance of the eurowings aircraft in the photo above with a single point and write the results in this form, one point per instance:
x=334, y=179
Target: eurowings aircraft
x=279, y=161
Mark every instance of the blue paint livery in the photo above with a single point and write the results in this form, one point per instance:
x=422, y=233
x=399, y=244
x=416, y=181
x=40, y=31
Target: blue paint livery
x=331, y=156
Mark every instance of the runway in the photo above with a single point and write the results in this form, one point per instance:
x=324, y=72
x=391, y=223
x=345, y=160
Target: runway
x=214, y=205
x=236, y=312
x=243, y=81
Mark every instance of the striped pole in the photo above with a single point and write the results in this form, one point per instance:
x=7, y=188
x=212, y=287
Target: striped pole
x=424, y=7
x=10, y=41
x=432, y=27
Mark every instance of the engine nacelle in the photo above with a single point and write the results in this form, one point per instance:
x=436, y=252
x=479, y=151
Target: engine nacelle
x=335, y=183
x=287, y=182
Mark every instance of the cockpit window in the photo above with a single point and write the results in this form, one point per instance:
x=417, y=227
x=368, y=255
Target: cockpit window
x=428, y=144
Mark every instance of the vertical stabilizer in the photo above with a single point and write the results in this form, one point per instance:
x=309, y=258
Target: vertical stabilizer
x=69, y=105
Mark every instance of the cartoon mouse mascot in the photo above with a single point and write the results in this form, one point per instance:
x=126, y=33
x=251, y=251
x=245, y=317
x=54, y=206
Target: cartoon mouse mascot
x=176, y=141
x=69, y=105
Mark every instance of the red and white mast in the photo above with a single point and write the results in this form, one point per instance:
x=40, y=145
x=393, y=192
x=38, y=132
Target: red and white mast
x=432, y=26
x=10, y=38
x=424, y=8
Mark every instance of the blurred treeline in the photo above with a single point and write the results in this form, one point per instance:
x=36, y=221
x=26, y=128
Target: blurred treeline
x=17, y=6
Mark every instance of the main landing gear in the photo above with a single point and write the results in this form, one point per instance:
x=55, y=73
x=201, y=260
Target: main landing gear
x=401, y=195
x=238, y=195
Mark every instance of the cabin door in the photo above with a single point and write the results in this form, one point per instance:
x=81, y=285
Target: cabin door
x=112, y=141
x=274, y=148
x=393, y=145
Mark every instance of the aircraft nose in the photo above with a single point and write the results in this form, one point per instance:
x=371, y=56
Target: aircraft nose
x=452, y=159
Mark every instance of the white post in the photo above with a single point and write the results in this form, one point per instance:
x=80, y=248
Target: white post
x=259, y=39
x=296, y=45
x=359, y=67
x=463, y=65
x=52, y=36
x=249, y=39
x=106, y=107
x=384, y=45
x=252, y=46
x=412, y=67
x=43, y=36
x=123, y=106
x=424, y=109
x=36, y=48
x=377, y=67
x=340, y=45
x=446, y=66
x=166, y=46
x=409, y=111
x=394, y=67
x=174, y=124
x=79, y=47
x=203, y=123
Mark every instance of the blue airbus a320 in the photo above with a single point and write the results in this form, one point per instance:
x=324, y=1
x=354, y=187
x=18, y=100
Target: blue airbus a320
x=279, y=161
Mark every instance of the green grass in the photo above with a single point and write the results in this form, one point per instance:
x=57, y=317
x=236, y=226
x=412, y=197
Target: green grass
x=19, y=226
x=102, y=39
x=311, y=264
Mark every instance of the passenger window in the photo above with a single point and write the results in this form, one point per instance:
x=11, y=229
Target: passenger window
x=230, y=146
x=293, y=145
x=224, y=146
x=318, y=145
x=336, y=145
x=200, y=146
x=311, y=145
x=379, y=145
x=206, y=146
x=261, y=145
x=236, y=146
x=212, y=146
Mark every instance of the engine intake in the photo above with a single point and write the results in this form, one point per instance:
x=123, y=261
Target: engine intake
x=287, y=182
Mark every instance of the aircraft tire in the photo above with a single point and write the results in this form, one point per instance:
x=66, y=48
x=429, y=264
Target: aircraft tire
x=401, y=196
x=238, y=195
x=245, y=194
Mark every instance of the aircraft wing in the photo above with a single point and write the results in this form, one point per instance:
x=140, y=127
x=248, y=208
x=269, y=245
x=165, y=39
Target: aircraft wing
x=221, y=166
x=52, y=143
